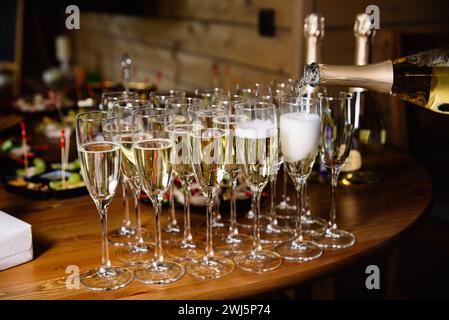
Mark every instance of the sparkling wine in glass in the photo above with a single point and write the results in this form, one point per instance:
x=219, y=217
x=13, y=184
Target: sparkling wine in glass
x=208, y=150
x=231, y=242
x=159, y=100
x=285, y=208
x=125, y=234
x=99, y=155
x=257, y=152
x=337, y=126
x=153, y=154
x=299, y=135
x=141, y=251
x=186, y=248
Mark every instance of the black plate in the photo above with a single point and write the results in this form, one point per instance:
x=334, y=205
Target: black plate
x=55, y=175
x=25, y=192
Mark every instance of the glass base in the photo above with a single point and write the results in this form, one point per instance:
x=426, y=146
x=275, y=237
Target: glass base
x=159, y=272
x=186, y=251
x=112, y=278
x=212, y=268
x=311, y=224
x=121, y=238
x=135, y=255
x=273, y=233
x=171, y=238
x=247, y=221
x=334, y=239
x=286, y=210
x=299, y=250
x=232, y=244
x=259, y=261
x=172, y=228
x=218, y=223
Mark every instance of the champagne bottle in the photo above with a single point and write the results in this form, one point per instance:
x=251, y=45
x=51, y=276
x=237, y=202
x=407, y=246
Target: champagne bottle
x=422, y=78
x=313, y=34
x=369, y=131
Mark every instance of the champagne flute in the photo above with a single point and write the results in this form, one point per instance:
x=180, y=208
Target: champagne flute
x=310, y=223
x=257, y=152
x=186, y=248
x=141, y=251
x=153, y=154
x=212, y=97
x=299, y=135
x=232, y=242
x=337, y=126
x=99, y=155
x=285, y=209
x=124, y=235
x=273, y=232
x=208, y=150
x=159, y=100
x=256, y=92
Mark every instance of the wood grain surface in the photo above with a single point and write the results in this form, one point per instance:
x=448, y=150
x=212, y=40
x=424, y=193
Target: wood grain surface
x=66, y=232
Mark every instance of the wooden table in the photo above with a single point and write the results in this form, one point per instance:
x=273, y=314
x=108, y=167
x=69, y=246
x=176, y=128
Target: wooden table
x=66, y=232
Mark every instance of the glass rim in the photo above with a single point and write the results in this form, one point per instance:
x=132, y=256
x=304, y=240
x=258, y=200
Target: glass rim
x=297, y=100
x=173, y=126
x=341, y=95
x=113, y=93
x=117, y=103
x=140, y=111
x=204, y=108
x=228, y=116
x=268, y=106
x=156, y=134
x=211, y=90
x=240, y=98
x=109, y=116
x=171, y=93
x=188, y=102
x=194, y=132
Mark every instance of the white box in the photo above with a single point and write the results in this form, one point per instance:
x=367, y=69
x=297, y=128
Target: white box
x=16, y=244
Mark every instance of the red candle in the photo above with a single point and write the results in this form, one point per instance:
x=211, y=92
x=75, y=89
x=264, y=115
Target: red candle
x=62, y=145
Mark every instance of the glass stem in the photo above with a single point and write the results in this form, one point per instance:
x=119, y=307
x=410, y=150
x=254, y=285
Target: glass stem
x=187, y=229
x=210, y=212
x=172, y=216
x=103, y=211
x=217, y=215
x=233, y=229
x=284, y=191
x=333, y=214
x=139, y=237
x=305, y=200
x=256, y=228
x=126, y=219
x=299, y=207
x=273, y=181
x=158, y=255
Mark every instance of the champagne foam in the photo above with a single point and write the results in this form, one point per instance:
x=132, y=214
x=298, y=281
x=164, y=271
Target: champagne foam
x=255, y=129
x=299, y=135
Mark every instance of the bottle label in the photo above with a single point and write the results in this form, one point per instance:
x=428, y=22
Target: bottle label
x=354, y=161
